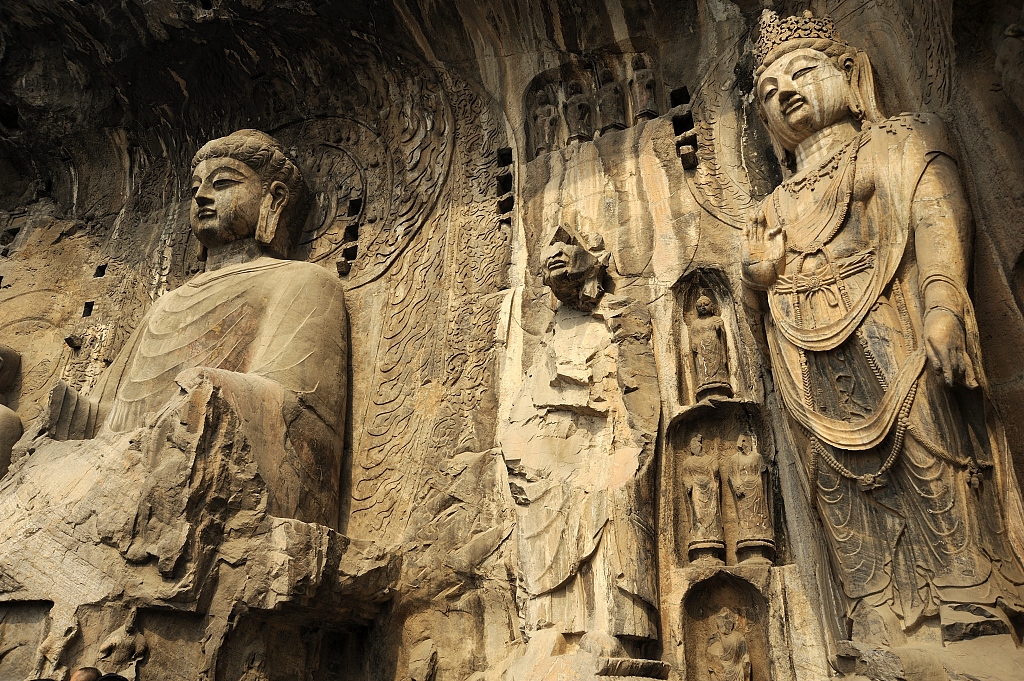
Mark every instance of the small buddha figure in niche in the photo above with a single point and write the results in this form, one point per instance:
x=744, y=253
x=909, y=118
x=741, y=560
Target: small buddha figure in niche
x=10, y=422
x=266, y=331
x=611, y=103
x=545, y=123
x=643, y=86
x=706, y=541
x=755, y=536
x=874, y=345
x=728, y=657
x=580, y=455
x=579, y=113
x=710, y=356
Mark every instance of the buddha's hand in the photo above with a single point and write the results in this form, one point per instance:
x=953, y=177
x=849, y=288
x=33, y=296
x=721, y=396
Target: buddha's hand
x=946, y=346
x=762, y=250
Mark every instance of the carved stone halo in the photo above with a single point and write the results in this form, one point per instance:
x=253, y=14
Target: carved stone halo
x=346, y=165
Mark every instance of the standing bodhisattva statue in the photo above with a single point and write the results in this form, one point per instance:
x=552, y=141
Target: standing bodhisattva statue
x=864, y=252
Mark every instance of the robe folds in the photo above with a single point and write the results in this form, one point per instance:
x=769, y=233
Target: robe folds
x=943, y=524
x=273, y=336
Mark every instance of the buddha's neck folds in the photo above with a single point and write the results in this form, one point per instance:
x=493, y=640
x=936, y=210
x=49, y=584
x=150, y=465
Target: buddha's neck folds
x=243, y=250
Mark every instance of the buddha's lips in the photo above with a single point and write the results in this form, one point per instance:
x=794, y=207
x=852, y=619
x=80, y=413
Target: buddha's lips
x=793, y=104
x=205, y=213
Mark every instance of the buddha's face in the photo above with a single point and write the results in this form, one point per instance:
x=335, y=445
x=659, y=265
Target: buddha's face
x=566, y=267
x=226, y=197
x=802, y=92
x=697, y=445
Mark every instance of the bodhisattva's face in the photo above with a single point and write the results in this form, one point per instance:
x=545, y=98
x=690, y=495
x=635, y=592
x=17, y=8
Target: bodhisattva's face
x=226, y=197
x=566, y=267
x=801, y=93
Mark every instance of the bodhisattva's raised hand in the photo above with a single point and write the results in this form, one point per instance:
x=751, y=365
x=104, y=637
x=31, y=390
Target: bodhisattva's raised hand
x=762, y=250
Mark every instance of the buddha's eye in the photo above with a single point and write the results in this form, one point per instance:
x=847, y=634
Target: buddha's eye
x=224, y=183
x=195, y=190
x=769, y=93
x=804, y=71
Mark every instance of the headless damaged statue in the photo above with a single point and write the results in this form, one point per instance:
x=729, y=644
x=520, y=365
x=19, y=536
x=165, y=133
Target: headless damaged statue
x=864, y=251
x=580, y=452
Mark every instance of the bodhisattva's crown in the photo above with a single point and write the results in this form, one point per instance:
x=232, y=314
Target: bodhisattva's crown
x=775, y=31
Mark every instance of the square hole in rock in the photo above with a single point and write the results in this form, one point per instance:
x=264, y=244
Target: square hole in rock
x=504, y=184
x=504, y=156
x=87, y=310
x=100, y=270
x=679, y=96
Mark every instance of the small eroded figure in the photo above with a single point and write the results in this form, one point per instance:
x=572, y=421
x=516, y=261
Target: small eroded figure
x=728, y=657
x=709, y=348
x=705, y=540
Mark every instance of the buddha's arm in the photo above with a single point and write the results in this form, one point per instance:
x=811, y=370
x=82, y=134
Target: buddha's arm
x=941, y=222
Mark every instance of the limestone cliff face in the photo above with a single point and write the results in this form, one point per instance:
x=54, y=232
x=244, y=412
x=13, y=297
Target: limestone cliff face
x=445, y=144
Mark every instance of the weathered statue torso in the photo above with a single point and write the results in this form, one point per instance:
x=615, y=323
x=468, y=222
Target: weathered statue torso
x=580, y=455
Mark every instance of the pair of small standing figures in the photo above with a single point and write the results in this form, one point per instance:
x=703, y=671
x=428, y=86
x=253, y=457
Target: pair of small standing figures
x=745, y=472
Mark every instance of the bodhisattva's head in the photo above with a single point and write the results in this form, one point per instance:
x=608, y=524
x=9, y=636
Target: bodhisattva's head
x=807, y=80
x=245, y=186
x=574, y=274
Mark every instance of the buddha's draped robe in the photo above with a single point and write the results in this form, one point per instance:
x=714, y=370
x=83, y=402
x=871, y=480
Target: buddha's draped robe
x=845, y=331
x=280, y=327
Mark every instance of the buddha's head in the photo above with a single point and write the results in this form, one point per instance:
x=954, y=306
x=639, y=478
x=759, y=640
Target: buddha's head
x=697, y=445
x=573, y=271
x=725, y=620
x=10, y=362
x=704, y=306
x=807, y=80
x=244, y=186
x=743, y=444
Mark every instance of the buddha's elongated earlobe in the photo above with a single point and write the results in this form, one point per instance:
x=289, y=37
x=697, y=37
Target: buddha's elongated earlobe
x=266, y=227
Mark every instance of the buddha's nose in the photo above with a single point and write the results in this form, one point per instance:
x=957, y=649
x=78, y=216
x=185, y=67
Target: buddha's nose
x=202, y=200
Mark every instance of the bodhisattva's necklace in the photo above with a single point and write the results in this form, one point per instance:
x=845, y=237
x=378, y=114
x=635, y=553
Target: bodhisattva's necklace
x=807, y=233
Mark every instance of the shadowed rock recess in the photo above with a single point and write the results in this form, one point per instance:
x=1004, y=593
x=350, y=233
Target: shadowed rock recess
x=512, y=340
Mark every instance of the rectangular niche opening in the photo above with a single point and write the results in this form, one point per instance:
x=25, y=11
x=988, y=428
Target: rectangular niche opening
x=87, y=310
x=504, y=184
x=354, y=206
x=682, y=123
x=680, y=96
x=352, y=232
x=100, y=270
x=505, y=205
x=8, y=236
x=350, y=253
x=504, y=156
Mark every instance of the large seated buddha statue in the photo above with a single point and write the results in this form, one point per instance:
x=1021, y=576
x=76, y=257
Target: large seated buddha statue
x=203, y=470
